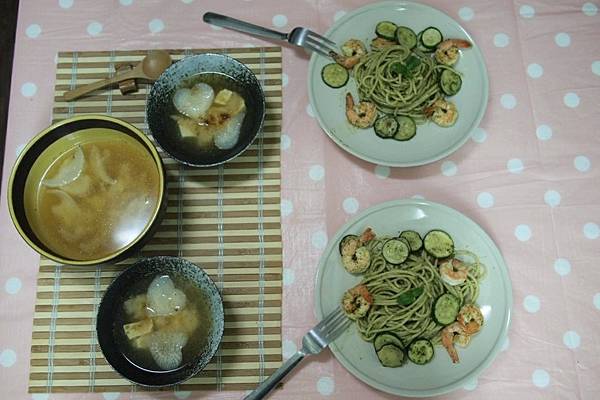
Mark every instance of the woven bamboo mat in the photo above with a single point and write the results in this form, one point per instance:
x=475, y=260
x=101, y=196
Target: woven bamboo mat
x=227, y=220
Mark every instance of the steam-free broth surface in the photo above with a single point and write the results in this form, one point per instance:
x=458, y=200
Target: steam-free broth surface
x=207, y=112
x=193, y=320
x=96, y=198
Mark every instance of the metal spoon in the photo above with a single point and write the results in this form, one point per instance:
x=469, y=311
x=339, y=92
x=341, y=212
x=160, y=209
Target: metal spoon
x=149, y=69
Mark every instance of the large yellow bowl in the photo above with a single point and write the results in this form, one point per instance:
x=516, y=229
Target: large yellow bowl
x=43, y=149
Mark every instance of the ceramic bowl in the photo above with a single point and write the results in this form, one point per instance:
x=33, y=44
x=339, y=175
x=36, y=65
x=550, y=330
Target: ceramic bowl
x=110, y=332
x=160, y=108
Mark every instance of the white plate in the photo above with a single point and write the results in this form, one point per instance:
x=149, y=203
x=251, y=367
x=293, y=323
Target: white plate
x=495, y=299
x=431, y=142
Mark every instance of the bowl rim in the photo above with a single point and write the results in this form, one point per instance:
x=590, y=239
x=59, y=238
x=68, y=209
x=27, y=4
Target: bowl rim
x=23, y=154
x=140, y=263
x=262, y=101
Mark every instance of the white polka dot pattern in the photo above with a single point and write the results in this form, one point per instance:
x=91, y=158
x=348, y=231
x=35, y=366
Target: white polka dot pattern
x=33, y=31
x=562, y=39
x=350, y=205
x=7, y=358
x=562, y=266
x=501, y=40
x=94, y=28
x=326, y=386
x=449, y=168
x=591, y=230
x=571, y=339
x=466, y=13
x=527, y=11
x=13, y=285
x=540, y=378
x=532, y=304
x=523, y=232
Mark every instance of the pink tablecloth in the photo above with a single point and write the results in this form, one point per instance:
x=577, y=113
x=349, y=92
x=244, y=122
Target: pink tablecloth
x=530, y=176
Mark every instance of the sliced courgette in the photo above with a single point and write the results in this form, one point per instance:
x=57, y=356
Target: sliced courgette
x=334, y=75
x=345, y=240
x=406, y=37
x=395, y=251
x=438, y=244
x=450, y=82
x=391, y=356
x=414, y=240
x=420, y=46
x=407, y=128
x=431, y=37
x=446, y=308
x=387, y=338
x=386, y=30
x=386, y=127
x=420, y=351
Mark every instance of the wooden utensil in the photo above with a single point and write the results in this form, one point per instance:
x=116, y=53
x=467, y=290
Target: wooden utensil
x=149, y=69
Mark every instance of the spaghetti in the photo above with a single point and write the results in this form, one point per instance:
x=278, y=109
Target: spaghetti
x=400, y=81
x=387, y=282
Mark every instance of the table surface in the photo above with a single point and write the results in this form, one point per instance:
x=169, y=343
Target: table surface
x=529, y=177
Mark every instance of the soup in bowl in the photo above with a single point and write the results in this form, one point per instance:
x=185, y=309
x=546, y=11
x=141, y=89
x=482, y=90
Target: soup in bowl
x=160, y=321
x=87, y=190
x=206, y=109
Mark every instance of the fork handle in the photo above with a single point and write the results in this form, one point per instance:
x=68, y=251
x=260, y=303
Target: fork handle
x=242, y=26
x=271, y=382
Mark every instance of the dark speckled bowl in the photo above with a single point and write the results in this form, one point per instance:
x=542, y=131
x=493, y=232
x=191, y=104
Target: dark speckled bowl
x=159, y=107
x=114, y=298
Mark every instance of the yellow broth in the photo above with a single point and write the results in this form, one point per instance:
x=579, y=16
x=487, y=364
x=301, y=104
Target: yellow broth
x=106, y=208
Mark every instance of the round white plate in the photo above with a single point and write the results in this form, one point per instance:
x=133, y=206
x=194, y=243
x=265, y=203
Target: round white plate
x=495, y=299
x=431, y=142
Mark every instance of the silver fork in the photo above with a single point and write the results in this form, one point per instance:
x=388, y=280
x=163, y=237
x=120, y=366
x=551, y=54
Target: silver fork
x=298, y=36
x=313, y=342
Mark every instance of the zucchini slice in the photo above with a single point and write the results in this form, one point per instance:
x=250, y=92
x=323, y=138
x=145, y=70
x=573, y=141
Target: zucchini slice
x=395, y=251
x=414, y=240
x=420, y=351
x=391, y=356
x=450, y=82
x=345, y=240
x=386, y=127
x=406, y=37
x=420, y=46
x=446, y=308
x=334, y=75
x=386, y=30
x=387, y=338
x=431, y=37
x=438, y=244
x=407, y=128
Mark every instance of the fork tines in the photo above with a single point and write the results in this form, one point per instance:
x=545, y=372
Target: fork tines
x=320, y=44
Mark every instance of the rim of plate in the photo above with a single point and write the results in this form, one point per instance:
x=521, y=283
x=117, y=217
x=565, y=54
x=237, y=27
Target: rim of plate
x=366, y=157
x=495, y=349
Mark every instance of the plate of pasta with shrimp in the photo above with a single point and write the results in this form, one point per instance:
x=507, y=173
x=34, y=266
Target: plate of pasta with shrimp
x=428, y=293
x=407, y=87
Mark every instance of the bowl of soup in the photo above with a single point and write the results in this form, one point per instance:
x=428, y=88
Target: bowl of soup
x=87, y=190
x=160, y=321
x=206, y=109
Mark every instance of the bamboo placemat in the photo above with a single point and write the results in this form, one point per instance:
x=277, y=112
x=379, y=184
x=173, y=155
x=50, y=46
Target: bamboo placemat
x=226, y=219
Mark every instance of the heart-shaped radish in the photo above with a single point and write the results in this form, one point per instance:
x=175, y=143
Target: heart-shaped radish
x=194, y=102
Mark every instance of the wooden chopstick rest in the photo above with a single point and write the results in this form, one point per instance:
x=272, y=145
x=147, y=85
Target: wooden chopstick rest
x=129, y=85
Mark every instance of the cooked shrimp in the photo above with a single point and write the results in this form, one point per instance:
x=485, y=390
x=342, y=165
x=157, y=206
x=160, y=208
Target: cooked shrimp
x=454, y=272
x=448, y=339
x=367, y=235
x=357, y=302
x=462, y=339
x=357, y=262
x=361, y=115
x=381, y=43
x=352, y=51
x=448, y=51
x=470, y=318
x=442, y=112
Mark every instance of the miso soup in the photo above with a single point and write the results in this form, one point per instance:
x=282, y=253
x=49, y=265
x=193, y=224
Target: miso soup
x=97, y=197
x=164, y=322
